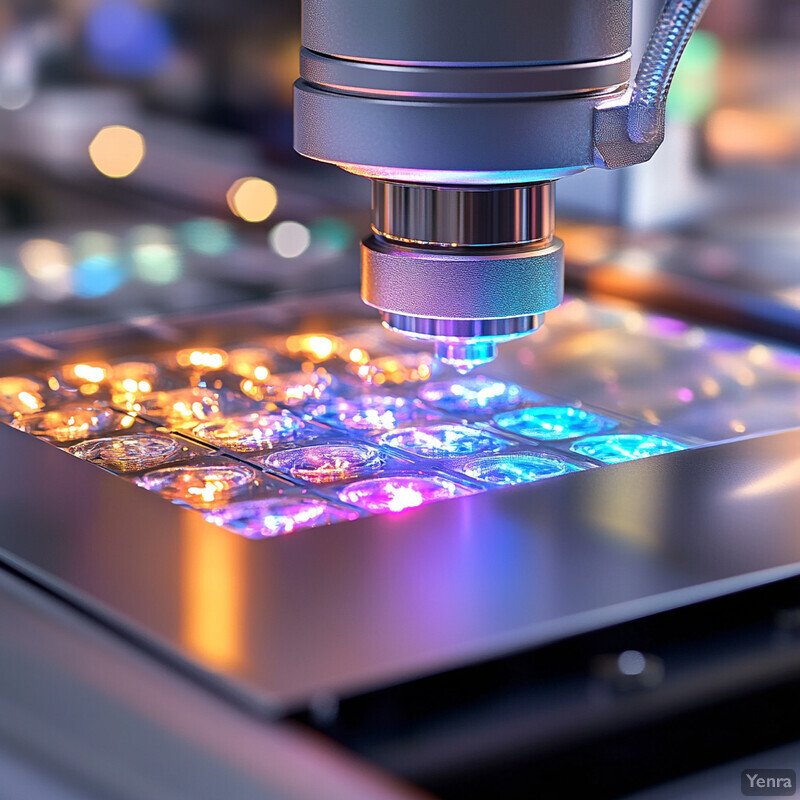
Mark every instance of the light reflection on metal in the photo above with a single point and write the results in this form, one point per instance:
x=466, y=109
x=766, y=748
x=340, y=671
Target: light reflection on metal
x=213, y=575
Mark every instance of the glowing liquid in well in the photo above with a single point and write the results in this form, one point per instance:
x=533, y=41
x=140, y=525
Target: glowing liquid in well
x=199, y=485
x=182, y=407
x=443, y=441
x=477, y=393
x=250, y=432
x=616, y=448
x=68, y=423
x=399, y=492
x=552, y=423
x=278, y=515
x=20, y=395
x=128, y=453
x=367, y=413
x=325, y=463
x=290, y=388
x=509, y=470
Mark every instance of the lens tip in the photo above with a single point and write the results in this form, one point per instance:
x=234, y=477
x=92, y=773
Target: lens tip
x=465, y=356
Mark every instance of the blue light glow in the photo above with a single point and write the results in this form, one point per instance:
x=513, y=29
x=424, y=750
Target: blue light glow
x=551, y=423
x=12, y=286
x=207, y=236
x=443, y=441
x=476, y=393
x=127, y=39
x=378, y=413
x=509, y=470
x=96, y=276
x=619, y=447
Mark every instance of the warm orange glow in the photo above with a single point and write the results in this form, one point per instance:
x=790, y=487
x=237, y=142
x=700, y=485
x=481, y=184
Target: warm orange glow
x=737, y=134
x=408, y=368
x=252, y=199
x=117, y=150
x=315, y=346
x=358, y=356
x=207, y=358
x=85, y=376
x=213, y=568
x=250, y=362
x=21, y=394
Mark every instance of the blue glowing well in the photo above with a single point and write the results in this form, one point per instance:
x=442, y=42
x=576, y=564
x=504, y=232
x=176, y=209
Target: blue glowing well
x=615, y=448
x=477, y=393
x=443, y=441
x=516, y=468
x=551, y=423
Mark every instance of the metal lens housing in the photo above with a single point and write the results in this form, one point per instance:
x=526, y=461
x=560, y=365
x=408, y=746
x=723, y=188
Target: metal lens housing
x=468, y=267
x=462, y=136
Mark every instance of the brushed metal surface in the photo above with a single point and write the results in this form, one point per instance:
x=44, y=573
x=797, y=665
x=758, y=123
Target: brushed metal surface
x=281, y=621
x=466, y=283
x=513, y=80
x=503, y=31
x=84, y=714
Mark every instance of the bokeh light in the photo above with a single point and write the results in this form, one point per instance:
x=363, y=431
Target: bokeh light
x=117, y=150
x=48, y=263
x=154, y=255
x=289, y=239
x=12, y=286
x=252, y=199
x=127, y=38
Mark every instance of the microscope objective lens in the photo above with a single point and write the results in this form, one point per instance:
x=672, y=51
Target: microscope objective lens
x=551, y=423
x=616, y=448
x=278, y=515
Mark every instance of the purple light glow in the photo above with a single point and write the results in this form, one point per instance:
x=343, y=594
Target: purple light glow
x=274, y=516
x=398, y=492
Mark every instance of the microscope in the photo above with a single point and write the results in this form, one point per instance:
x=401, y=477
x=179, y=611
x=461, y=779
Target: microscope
x=463, y=115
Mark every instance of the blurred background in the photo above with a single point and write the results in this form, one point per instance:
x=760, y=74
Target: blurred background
x=146, y=167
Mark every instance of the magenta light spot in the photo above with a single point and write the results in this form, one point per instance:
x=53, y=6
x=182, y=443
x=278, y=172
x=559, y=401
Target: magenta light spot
x=398, y=492
x=685, y=394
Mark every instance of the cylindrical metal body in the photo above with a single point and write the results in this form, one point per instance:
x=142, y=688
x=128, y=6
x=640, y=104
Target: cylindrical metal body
x=447, y=91
x=462, y=113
